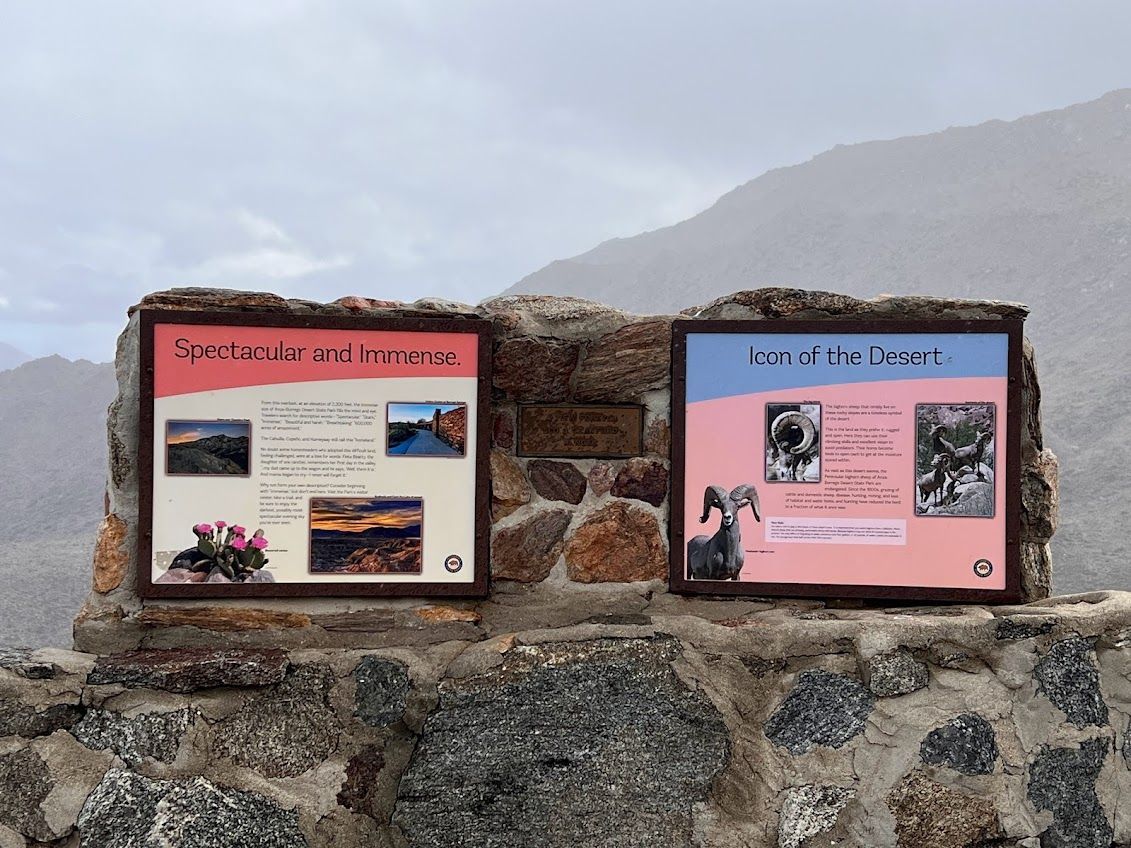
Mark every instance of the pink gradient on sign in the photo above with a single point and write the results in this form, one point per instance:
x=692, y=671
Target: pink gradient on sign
x=173, y=376
x=725, y=447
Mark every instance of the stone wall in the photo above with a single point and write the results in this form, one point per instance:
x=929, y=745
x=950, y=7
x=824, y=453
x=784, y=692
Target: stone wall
x=581, y=704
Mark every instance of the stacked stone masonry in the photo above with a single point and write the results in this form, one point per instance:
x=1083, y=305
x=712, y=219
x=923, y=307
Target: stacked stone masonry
x=581, y=703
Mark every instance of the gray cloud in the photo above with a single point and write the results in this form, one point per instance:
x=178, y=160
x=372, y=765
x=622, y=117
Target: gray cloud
x=403, y=149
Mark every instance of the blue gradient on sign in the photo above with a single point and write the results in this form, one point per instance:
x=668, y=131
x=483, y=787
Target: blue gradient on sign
x=718, y=364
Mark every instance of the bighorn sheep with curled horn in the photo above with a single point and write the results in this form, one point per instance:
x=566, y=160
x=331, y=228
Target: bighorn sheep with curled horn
x=720, y=557
x=972, y=454
x=794, y=436
x=932, y=482
x=938, y=444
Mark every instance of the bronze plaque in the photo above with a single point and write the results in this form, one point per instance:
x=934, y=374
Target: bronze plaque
x=580, y=430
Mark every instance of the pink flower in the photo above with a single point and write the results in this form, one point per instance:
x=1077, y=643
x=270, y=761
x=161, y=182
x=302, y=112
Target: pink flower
x=220, y=525
x=239, y=531
x=203, y=529
x=239, y=543
x=259, y=543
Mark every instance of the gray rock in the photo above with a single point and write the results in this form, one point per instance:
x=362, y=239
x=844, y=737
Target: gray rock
x=18, y=719
x=20, y=661
x=966, y=744
x=382, y=690
x=1063, y=781
x=973, y=499
x=557, y=481
x=1068, y=677
x=154, y=735
x=823, y=709
x=810, y=810
x=583, y=744
x=286, y=730
x=896, y=673
x=127, y=810
x=1018, y=627
x=190, y=669
x=24, y=784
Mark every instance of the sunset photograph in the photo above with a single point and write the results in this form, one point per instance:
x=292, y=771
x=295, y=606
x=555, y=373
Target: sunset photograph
x=220, y=448
x=366, y=535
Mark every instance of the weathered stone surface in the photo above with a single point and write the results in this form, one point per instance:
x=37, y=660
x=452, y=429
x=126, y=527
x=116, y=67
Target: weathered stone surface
x=643, y=480
x=222, y=619
x=154, y=735
x=896, y=673
x=127, y=810
x=509, y=489
x=382, y=690
x=658, y=438
x=620, y=543
x=1040, y=503
x=808, y=811
x=190, y=669
x=529, y=369
x=111, y=558
x=358, y=789
x=526, y=552
x=17, y=719
x=966, y=744
x=1063, y=781
x=930, y=815
x=1068, y=677
x=1018, y=627
x=556, y=481
x=590, y=744
x=1036, y=571
x=198, y=297
x=782, y=302
x=823, y=709
x=502, y=429
x=442, y=614
x=288, y=729
x=601, y=478
x=25, y=782
x=625, y=364
x=22, y=662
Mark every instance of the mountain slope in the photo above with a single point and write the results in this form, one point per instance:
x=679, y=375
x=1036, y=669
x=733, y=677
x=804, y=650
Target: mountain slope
x=10, y=357
x=1036, y=210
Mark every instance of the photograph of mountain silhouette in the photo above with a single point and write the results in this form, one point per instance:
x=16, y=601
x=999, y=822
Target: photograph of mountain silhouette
x=366, y=535
x=221, y=448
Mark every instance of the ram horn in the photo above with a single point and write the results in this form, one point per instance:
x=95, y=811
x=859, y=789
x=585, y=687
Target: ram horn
x=788, y=421
x=747, y=494
x=712, y=496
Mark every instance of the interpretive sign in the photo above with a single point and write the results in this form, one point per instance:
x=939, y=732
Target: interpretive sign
x=837, y=459
x=294, y=455
x=580, y=430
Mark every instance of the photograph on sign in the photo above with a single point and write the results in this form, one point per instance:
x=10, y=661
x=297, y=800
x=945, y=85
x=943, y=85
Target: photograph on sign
x=287, y=455
x=886, y=464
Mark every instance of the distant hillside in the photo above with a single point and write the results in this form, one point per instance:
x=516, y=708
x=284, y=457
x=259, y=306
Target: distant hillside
x=53, y=467
x=10, y=357
x=1036, y=210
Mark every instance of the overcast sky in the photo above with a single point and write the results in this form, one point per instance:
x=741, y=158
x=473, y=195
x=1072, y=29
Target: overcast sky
x=403, y=149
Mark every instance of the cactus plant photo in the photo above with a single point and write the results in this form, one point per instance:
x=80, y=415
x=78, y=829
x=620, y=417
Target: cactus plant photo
x=223, y=554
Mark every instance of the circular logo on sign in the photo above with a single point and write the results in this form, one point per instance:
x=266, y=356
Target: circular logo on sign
x=453, y=563
x=983, y=568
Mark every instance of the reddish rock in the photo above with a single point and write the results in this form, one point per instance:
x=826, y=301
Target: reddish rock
x=502, y=430
x=619, y=543
x=658, y=438
x=529, y=369
x=205, y=298
x=930, y=815
x=110, y=554
x=438, y=615
x=625, y=364
x=556, y=481
x=526, y=552
x=509, y=489
x=643, y=480
x=220, y=618
x=601, y=477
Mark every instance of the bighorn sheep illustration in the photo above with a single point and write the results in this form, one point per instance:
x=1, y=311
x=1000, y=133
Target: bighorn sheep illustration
x=794, y=435
x=719, y=557
x=972, y=454
x=938, y=444
x=932, y=482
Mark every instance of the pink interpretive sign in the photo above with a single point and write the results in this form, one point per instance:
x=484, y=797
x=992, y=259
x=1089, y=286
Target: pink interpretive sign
x=822, y=458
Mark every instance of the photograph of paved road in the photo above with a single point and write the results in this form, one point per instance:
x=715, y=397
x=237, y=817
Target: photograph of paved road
x=427, y=429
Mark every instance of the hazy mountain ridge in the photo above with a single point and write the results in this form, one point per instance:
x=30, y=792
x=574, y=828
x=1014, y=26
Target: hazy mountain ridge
x=1036, y=210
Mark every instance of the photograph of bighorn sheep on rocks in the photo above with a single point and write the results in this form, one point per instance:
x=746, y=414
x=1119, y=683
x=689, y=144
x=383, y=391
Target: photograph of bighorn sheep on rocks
x=792, y=435
x=720, y=556
x=954, y=459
